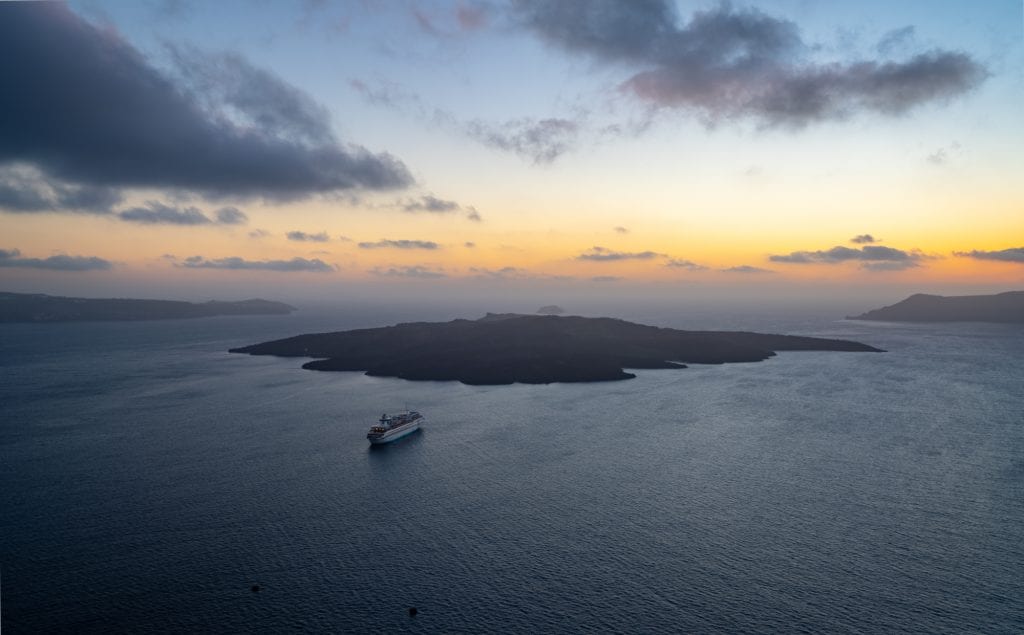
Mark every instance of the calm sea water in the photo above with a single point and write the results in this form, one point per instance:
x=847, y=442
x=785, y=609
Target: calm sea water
x=149, y=479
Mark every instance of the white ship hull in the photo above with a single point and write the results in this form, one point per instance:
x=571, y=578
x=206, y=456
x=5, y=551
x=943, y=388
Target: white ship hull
x=395, y=433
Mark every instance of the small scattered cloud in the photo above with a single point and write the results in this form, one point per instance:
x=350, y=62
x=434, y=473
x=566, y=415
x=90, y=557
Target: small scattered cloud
x=414, y=271
x=241, y=264
x=13, y=258
x=231, y=216
x=469, y=244
x=433, y=205
x=302, y=237
x=603, y=254
x=1013, y=254
x=259, y=233
x=157, y=213
x=863, y=239
x=620, y=229
x=385, y=243
x=746, y=269
x=498, y=274
x=689, y=265
x=870, y=257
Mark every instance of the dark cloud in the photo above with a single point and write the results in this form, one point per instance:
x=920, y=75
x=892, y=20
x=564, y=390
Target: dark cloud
x=321, y=237
x=602, y=254
x=157, y=213
x=400, y=244
x=540, y=140
x=746, y=269
x=236, y=263
x=1013, y=254
x=728, y=62
x=135, y=126
x=22, y=193
x=870, y=253
x=433, y=205
x=12, y=258
x=684, y=264
x=863, y=239
x=414, y=271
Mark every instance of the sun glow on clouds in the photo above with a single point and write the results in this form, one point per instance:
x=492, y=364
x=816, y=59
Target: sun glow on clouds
x=630, y=155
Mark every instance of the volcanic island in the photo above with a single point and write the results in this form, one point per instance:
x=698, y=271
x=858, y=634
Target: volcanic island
x=531, y=349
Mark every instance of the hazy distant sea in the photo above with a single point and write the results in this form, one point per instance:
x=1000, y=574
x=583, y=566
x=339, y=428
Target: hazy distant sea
x=148, y=479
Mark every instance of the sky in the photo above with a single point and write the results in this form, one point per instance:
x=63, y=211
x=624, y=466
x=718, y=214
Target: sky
x=200, y=150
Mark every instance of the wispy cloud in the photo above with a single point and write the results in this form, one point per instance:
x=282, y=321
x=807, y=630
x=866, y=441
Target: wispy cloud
x=399, y=244
x=1013, y=254
x=236, y=263
x=746, y=269
x=13, y=258
x=603, y=254
x=539, y=140
x=727, y=63
x=27, y=192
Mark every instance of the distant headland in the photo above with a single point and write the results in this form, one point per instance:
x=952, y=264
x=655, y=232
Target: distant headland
x=36, y=307
x=531, y=349
x=1001, y=307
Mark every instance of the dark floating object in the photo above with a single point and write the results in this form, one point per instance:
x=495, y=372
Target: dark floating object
x=412, y=611
x=1001, y=307
x=255, y=588
x=531, y=349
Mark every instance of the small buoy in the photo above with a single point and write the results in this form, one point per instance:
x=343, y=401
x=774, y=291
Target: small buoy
x=412, y=611
x=255, y=588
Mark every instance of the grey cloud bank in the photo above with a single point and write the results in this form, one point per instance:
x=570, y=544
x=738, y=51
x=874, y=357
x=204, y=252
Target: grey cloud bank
x=236, y=263
x=13, y=258
x=136, y=126
x=730, y=62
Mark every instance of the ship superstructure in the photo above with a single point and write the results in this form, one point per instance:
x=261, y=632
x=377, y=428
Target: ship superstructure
x=392, y=427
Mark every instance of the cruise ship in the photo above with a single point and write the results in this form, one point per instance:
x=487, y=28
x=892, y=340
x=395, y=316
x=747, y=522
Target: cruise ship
x=392, y=427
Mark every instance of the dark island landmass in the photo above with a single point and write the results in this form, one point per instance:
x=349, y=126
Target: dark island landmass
x=36, y=307
x=1002, y=307
x=531, y=349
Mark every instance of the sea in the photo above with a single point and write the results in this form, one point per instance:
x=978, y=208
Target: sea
x=152, y=482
